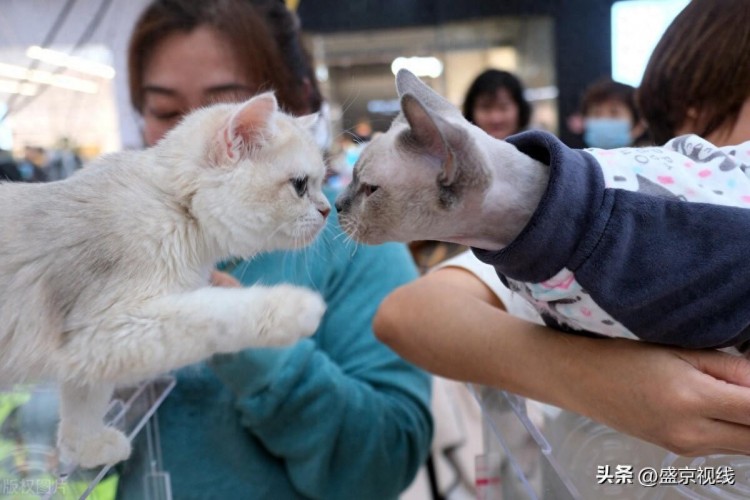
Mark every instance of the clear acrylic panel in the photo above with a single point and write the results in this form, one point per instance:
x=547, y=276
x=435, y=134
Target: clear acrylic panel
x=550, y=453
x=29, y=463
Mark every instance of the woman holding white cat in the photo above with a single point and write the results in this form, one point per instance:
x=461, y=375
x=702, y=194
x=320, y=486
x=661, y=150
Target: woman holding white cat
x=335, y=416
x=690, y=401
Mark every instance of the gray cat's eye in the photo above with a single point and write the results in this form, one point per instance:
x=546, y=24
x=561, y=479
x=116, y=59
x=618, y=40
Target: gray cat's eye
x=300, y=185
x=368, y=189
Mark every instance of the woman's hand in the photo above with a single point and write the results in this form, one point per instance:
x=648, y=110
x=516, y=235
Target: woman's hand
x=690, y=402
x=222, y=279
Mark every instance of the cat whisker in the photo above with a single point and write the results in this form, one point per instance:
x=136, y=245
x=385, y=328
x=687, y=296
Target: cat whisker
x=305, y=259
x=243, y=275
x=341, y=234
x=276, y=231
x=350, y=233
x=346, y=105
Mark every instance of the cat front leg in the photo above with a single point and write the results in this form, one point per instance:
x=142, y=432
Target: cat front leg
x=218, y=320
x=82, y=437
x=176, y=330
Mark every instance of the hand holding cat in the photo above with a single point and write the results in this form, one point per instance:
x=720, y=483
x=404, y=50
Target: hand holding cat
x=692, y=402
x=222, y=279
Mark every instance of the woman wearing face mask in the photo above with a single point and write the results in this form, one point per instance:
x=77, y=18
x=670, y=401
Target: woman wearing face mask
x=337, y=415
x=611, y=117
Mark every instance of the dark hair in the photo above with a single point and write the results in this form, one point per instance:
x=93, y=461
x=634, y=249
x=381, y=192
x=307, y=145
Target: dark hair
x=488, y=83
x=254, y=34
x=286, y=30
x=605, y=89
x=701, y=65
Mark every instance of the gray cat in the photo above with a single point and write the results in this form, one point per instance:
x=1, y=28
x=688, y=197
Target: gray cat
x=104, y=277
x=646, y=243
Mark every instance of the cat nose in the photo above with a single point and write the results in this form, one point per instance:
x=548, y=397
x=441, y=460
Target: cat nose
x=341, y=203
x=325, y=211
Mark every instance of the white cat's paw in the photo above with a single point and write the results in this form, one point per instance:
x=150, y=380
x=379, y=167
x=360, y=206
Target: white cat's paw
x=311, y=311
x=298, y=315
x=106, y=447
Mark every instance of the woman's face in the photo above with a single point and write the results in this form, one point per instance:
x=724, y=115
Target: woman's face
x=497, y=114
x=186, y=71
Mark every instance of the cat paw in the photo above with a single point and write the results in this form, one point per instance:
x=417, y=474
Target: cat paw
x=92, y=450
x=311, y=310
x=299, y=316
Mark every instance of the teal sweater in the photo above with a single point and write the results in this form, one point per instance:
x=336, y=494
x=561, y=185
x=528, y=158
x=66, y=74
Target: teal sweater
x=338, y=415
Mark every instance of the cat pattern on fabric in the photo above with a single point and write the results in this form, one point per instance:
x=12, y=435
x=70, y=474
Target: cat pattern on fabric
x=647, y=243
x=106, y=282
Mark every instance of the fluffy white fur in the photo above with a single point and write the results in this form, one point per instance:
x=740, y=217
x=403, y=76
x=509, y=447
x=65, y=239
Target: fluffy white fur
x=435, y=176
x=104, y=276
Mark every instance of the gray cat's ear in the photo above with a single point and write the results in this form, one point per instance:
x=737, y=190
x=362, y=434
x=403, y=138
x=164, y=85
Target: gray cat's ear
x=408, y=83
x=432, y=134
x=250, y=126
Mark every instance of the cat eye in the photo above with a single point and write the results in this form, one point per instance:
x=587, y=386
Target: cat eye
x=300, y=185
x=368, y=189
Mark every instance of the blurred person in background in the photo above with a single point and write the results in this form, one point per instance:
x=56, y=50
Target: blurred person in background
x=63, y=161
x=610, y=116
x=495, y=103
x=8, y=168
x=338, y=415
x=31, y=167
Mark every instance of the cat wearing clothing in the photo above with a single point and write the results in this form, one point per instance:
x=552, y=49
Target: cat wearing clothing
x=106, y=280
x=647, y=243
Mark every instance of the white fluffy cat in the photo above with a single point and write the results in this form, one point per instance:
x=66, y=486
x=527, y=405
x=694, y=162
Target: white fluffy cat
x=104, y=277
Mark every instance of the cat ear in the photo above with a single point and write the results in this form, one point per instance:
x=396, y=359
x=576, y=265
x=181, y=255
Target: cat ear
x=250, y=126
x=408, y=83
x=431, y=133
x=308, y=122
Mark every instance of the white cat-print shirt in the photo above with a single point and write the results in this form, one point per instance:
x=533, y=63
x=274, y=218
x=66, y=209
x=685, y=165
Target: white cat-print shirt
x=647, y=243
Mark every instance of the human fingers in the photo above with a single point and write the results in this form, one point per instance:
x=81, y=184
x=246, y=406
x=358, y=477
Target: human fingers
x=721, y=365
x=222, y=279
x=710, y=437
x=723, y=392
x=726, y=402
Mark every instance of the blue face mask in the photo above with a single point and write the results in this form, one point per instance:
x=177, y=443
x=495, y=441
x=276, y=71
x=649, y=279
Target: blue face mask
x=607, y=133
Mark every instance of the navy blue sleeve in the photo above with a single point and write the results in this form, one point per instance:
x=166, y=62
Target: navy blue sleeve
x=673, y=272
x=566, y=212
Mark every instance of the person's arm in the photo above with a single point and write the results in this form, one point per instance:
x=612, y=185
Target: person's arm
x=690, y=402
x=348, y=417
